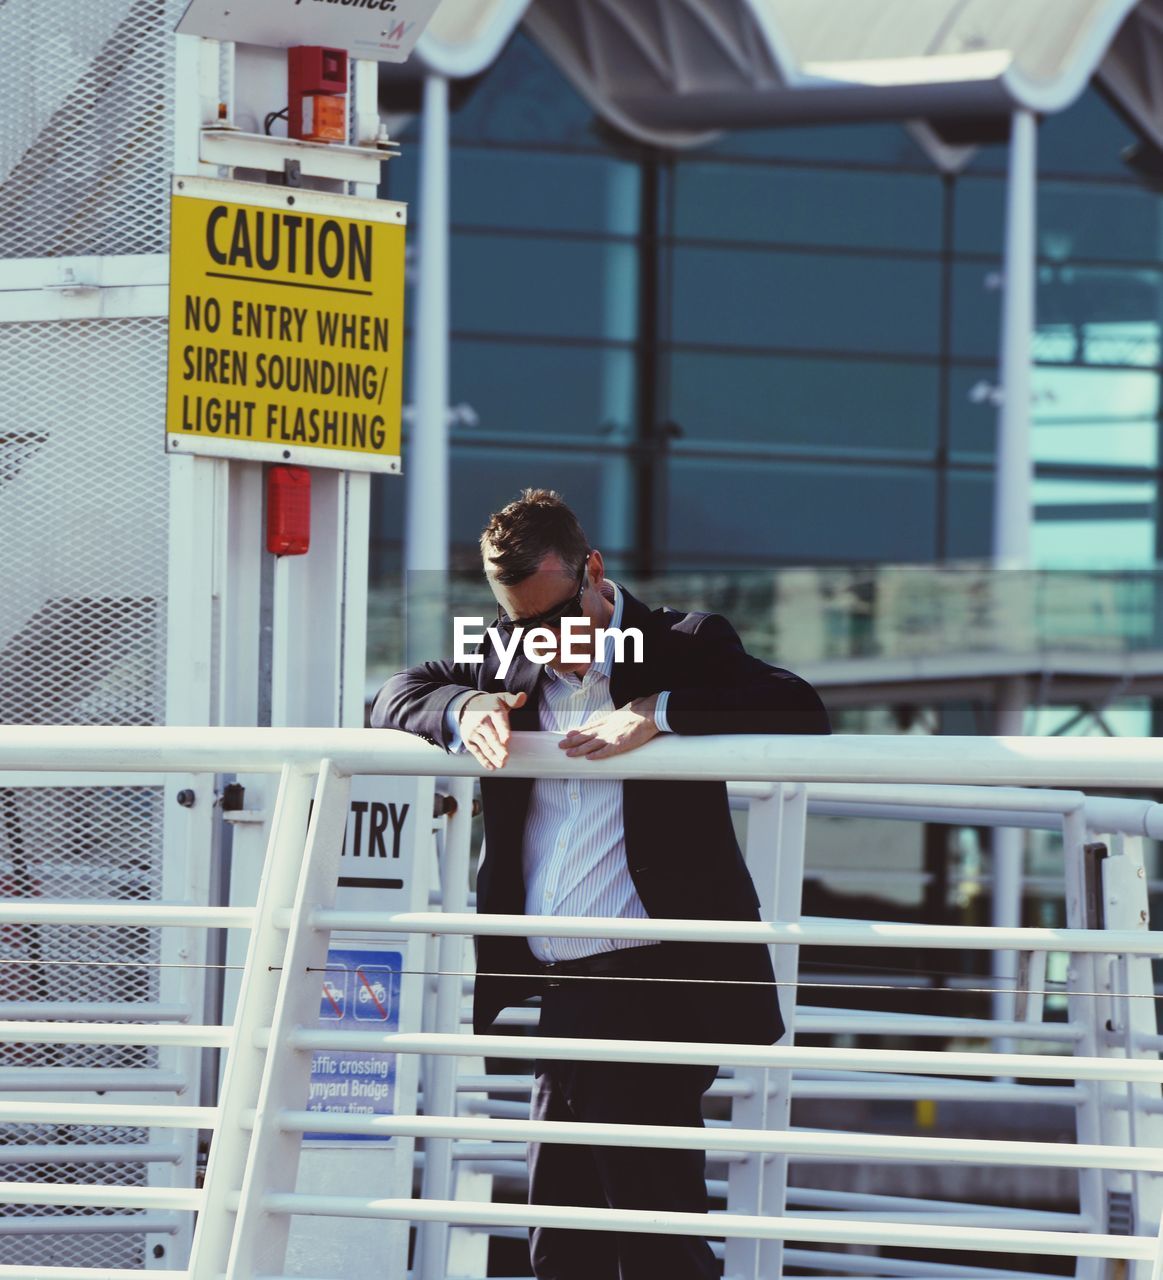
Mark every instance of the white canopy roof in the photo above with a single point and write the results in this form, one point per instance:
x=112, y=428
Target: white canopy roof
x=678, y=71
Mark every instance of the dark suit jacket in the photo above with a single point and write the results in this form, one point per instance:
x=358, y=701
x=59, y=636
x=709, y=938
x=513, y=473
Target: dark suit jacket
x=680, y=844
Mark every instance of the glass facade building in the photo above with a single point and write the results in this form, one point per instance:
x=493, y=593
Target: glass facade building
x=781, y=349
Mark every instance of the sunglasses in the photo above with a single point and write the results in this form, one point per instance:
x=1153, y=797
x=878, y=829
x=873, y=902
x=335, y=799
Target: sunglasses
x=571, y=608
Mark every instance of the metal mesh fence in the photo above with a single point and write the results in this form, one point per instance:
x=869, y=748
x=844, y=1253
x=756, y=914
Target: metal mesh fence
x=83, y=503
x=83, y=524
x=83, y=159
x=123, y=1248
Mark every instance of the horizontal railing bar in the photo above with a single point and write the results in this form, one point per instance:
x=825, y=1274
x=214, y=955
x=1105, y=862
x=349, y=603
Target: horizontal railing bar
x=96, y=1224
x=1152, y=1106
x=523, y=1084
x=802, y=1197
x=794, y=1142
x=32, y=911
x=516, y=1152
x=913, y=1089
x=881, y=1202
x=1026, y=820
x=863, y=1264
x=890, y=1061
x=91, y=1080
x=986, y=806
x=92, y=1011
x=904, y=795
x=862, y=1023
x=1032, y=1219
x=1063, y=762
x=463, y=1213
x=947, y=1091
x=9, y=1272
x=96, y=777
x=195, y=1037
x=88, y=1153
x=505, y=1108
x=109, y=1113
x=100, y=1196
x=807, y=932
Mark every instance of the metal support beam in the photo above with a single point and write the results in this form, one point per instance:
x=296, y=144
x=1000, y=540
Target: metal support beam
x=426, y=511
x=1013, y=502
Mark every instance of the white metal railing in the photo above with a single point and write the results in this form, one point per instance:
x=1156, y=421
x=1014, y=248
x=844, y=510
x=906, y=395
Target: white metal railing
x=1113, y=1076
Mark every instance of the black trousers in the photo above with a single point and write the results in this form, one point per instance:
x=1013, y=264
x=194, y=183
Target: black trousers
x=619, y=1093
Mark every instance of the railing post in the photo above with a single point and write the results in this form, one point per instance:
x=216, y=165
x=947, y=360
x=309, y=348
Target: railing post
x=439, y=1072
x=1124, y=882
x=244, y=1064
x=260, y=1239
x=295, y=881
x=788, y=906
x=775, y=858
x=1083, y=976
x=745, y=1176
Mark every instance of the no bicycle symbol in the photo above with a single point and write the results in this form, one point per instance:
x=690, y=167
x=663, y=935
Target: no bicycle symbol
x=359, y=987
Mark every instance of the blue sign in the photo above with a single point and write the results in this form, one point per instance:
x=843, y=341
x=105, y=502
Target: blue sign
x=361, y=990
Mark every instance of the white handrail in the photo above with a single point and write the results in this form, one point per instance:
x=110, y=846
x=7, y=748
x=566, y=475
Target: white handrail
x=138, y=914
x=1107, y=763
x=894, y=1061
x=83, y=1033
x=844, y=772
x=807, y=932
x=684, y=1138
x=789, y=1227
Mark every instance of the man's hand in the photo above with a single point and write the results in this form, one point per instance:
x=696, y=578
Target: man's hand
x=617, y=731
x=484, y=726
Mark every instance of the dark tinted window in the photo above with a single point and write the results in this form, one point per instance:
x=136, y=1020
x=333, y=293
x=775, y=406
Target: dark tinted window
x=793, y=513
x=807, y=206
x=816, y=405
x=831, y=302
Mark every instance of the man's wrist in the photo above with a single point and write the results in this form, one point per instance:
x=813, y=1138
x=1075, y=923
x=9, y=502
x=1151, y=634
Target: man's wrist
x=647, y=707
x=464, y=703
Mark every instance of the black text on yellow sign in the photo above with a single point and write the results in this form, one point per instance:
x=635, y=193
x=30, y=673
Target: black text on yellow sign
x=286, y=325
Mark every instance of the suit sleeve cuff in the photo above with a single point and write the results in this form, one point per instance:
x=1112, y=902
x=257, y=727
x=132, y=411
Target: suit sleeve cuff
x=660, y=721
x=452, y=719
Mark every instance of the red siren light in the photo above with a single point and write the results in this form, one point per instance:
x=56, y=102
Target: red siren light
x=288, y=510
x=317, y=93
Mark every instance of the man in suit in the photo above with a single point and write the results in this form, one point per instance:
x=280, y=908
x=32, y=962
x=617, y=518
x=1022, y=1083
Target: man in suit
x=598, y=847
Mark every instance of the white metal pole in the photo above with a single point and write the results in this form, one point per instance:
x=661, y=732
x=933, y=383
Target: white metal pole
x=426, y=470
x=440, y=1072
x=1013, y=485
x=1012, y=504
x=1008, y=845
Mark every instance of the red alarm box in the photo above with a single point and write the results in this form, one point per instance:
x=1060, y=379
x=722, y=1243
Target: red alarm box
x=288, y=510
x=317, y=93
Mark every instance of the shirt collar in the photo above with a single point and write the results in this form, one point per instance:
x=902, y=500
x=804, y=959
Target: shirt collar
x=605, y=667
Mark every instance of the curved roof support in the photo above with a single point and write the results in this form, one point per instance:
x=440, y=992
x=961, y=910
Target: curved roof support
x=674, y=72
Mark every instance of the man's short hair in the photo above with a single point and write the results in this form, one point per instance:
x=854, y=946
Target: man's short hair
x=518, y=537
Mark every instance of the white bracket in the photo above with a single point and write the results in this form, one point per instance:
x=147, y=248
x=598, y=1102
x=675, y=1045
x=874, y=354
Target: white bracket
x=234, y=149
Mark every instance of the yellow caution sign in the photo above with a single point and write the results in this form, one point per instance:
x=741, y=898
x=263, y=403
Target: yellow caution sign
x=286, y=325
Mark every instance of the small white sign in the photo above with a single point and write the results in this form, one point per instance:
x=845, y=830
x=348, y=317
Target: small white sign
x=383, y=30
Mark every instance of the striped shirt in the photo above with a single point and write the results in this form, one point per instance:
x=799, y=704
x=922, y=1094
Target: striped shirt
x=574, y=852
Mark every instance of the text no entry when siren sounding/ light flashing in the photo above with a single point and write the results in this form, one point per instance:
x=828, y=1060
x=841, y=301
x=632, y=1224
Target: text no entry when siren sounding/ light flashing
x=285, y=326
